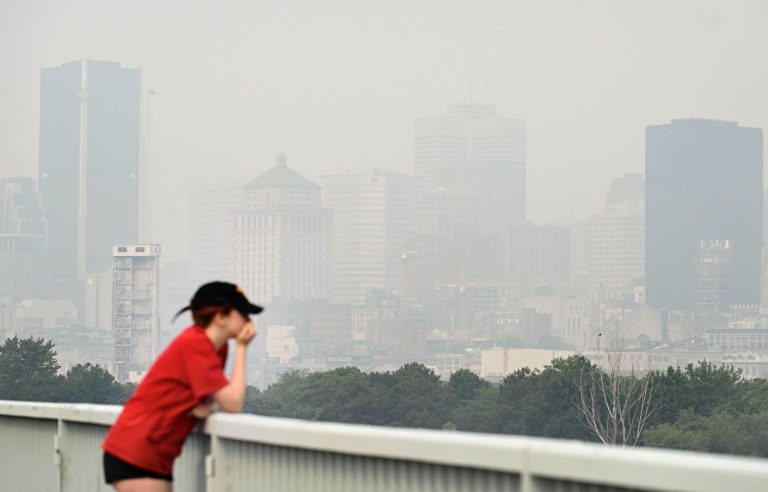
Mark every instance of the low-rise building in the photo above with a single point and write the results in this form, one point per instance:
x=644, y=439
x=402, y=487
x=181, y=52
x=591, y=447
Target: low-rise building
x=498, y=362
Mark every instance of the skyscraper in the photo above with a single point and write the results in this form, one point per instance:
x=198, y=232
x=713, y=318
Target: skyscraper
x=212, y=229
x=539, y=253
x=704, y=182
x=447, y=249
x=373, y=217
x=282, y=240
x=22, y=239
x=89, y=166
x=629, y=187
x=616, y=238
x=475, y=151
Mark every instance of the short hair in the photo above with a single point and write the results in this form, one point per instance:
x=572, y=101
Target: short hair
x=204, y=315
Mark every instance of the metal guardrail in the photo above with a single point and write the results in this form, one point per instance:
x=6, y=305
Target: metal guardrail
x=55, y=447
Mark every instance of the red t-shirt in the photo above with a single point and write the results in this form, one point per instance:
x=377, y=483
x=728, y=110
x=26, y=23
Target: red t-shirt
x=154, y=424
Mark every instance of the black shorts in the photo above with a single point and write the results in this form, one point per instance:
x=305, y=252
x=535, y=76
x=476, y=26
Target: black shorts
x=116, y=469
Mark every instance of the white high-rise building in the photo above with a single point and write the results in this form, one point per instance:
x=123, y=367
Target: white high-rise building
x=135, y=309
x=475, y=151
x=616, y=247
x=282, y=237
x=212, y=230
x=374, y=216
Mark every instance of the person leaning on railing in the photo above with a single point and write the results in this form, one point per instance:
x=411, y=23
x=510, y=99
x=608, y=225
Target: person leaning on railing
x=184, y=384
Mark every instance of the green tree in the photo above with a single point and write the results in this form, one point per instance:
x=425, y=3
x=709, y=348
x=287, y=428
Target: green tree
x=703, y=388
x=717, y=433
x=476, y=414
x=253, y=400
x=412, y=396
x=542, y=403
x=378, y=407
x=340, y=395
x=86, y=383
x=751, y=397
x=280, y=398
x=465, y=384
x=418, y=398
x=28, y=370
x=127, y=389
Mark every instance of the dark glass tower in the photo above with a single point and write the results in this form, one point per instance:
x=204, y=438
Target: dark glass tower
x=704, y=182
x=89, y=166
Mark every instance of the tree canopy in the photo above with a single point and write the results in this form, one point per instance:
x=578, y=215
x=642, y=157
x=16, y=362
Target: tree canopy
x=29, y=371
x=702, y=407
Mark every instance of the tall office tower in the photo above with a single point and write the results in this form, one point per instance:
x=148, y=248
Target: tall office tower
x=627, y=188
x=714, y=275
x=89, y=166
x=176, y=288
x=704, y=181
x=578, y=237
x=373, y=217
x=447, y=248
x=444, y=211
x=135, y=309
x=539, y=253
x=282, y=241
x=765, y=214
x=212, y=230
x=22, y=239
x=475, y=151
x=764, y=283
x=616, y=238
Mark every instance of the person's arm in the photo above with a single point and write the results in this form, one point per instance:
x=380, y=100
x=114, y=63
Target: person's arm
x=232, y=396
x=202, y=410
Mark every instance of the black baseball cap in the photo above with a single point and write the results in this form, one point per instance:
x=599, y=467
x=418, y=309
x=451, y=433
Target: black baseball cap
x=221, y=294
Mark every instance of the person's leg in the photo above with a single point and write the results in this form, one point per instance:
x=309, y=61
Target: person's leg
x=143, y=485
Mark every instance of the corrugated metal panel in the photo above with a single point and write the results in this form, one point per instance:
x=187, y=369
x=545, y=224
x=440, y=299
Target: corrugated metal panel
x=27, y=456
x=81, y=457
x=243, y=466
x=189, y=469
x=547, y=485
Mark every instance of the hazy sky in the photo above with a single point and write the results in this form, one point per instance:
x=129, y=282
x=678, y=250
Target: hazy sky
x=337, y=84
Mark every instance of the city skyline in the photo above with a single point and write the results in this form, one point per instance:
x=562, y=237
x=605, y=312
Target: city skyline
x=541, y=219
x=585, y=102
x=413, y=260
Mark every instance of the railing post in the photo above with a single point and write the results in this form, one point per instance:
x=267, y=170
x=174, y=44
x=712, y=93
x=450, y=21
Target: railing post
x=210, y=470
x=58, y=459
x=217, y=476
x=528, y=483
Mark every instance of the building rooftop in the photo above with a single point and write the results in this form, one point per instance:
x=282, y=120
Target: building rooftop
x=281, y=176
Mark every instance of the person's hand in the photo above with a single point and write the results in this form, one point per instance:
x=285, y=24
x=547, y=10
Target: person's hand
x=246, y=334
x=201, y=411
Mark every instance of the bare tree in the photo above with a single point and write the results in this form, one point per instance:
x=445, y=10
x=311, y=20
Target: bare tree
x=615, y=401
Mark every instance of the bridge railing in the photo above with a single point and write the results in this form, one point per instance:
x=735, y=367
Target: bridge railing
x=55, y=447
